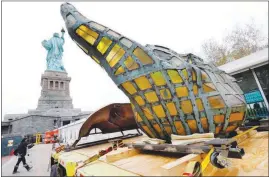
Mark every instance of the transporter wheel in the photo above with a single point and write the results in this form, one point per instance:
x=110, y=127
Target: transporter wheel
x=214, y=160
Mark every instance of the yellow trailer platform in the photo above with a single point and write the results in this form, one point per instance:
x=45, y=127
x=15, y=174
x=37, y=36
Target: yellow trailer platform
x=132, y=162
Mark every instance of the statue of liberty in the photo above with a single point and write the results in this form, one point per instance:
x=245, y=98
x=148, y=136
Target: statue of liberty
x=54, y=46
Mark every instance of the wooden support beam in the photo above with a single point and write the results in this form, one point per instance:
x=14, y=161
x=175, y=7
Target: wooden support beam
x=176, y=168
x=120, y=153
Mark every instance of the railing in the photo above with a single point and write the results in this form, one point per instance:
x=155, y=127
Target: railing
x=256, y=107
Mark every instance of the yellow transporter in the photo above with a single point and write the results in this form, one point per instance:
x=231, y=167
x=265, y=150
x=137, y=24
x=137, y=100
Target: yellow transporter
x=131, y=162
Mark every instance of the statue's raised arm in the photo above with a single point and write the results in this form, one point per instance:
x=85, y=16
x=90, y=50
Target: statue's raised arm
x=54, y=46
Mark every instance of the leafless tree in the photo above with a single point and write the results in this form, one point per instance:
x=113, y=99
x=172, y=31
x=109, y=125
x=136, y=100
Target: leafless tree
x=240, y=42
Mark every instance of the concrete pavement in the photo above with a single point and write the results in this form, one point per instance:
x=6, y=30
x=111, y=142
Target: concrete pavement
x=38, y=158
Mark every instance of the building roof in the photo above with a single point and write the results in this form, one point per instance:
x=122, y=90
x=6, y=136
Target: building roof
x=251, y=61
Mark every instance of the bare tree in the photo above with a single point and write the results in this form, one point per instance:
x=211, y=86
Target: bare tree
x=240, y=42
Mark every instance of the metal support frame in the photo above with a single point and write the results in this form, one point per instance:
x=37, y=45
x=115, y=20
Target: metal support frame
x=260, y=87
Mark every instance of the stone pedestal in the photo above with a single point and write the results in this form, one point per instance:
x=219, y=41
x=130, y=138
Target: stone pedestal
x=55, y=91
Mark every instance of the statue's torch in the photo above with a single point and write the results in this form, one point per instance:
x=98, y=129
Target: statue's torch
x=63, y=31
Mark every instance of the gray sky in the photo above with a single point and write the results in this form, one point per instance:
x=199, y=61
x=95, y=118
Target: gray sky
x=181, y=26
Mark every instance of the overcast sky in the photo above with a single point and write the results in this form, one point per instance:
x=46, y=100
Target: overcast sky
x=181, y=26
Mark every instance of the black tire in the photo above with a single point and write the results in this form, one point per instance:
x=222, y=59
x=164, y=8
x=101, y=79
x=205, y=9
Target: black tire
x=214, y=160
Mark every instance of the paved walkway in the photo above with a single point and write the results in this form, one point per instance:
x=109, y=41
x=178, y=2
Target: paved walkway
x=38, y=158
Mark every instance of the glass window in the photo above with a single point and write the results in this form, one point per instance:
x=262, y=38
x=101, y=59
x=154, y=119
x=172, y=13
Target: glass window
x=119, y=71
x=263, y=77
x=216, y=102
x=87, y=34
x=51, y=84
x=139, y=100
x=143, y=83
x=182, y=91
x=158, y=109
x=161, y=54
x=103, y=45
x=113, y=33
x=97, y=26
x=177, y=61
x=95, y=59
x=115, y=55
x=165, y=94
x=128, y=86
x=85, y=50
x=208, y=87
x=56, y=84
x=70, y=20
x=147, y=113
x=158, y=78
x=171, y=108
x=151, y=97
x=174, y=76
x=246, y=81
x=126, y=42
x=193, y=125
x=195, y=89
x=186, y=106
x=199, y=104
x=130, y=63
x=142, y=56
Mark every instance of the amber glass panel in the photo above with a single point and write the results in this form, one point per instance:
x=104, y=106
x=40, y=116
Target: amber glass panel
x=128, y=86
x=236, y=116
x=113, y=52
x=199, y=104
x=151, y=97
x=89, y=31
x=179, y=127
x=158, y=129
x=138, y=117
x=218, y=129
x=204, y=123
x=142, y=56
x=165, y=94
x=185, y=73
x=120, y=70
x=86, y=36
x=204, y=75
x=130, y=63
x=186, y=106
x=147, y=113
x=139, y=100
x=182, y=91
x=143, y=83
x=158, y=78
x=208, y=87
x=89, y=35
x=168, y=130
x=171, y=108
x=174, y=76
x=103, y=45
x=158, y=109
x=195, y=89
x=116, y=57
x=193, y=75
x=85, y=50
x=216, y=102
x=193, y=126
x=146, y=129
x=95, y=59
x=218, y=119
x=231, y=128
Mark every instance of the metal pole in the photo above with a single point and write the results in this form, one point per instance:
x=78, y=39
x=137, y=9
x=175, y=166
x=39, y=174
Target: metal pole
x=260, y=88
